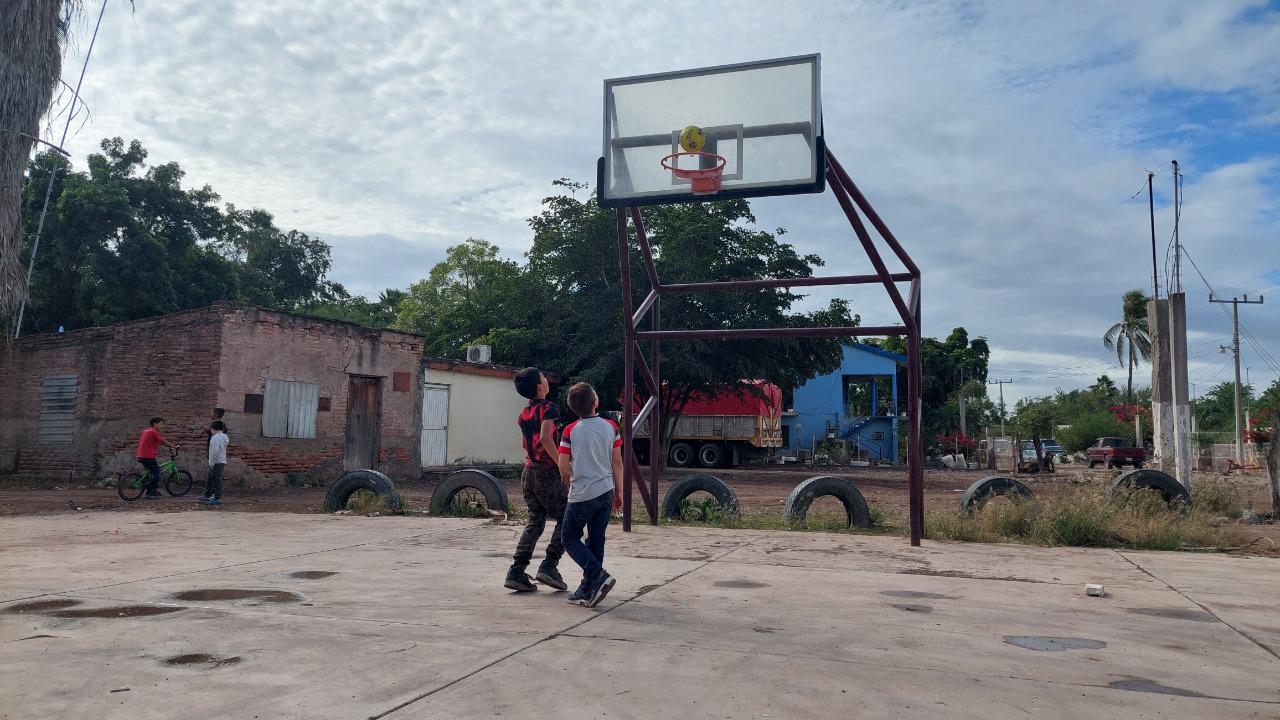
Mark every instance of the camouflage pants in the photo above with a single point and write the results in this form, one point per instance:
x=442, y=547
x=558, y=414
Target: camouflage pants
x=546, y=496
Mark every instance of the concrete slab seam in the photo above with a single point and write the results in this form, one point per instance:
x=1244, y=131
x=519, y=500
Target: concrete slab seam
x=1191, y=600
x=554, y=635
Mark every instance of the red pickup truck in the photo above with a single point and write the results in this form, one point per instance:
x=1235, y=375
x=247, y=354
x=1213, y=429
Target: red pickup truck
x=1115, y=452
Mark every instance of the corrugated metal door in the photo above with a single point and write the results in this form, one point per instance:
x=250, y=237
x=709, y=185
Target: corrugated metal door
x=57, y=409
x=364, y=406
x=275, y=409
x=435, y=425
x=304, y=401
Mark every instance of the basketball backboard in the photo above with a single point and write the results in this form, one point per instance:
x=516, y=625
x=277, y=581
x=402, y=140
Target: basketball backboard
x=764, y=118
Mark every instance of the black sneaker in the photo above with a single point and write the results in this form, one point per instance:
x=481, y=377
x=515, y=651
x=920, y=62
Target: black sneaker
x=550, y=577
x=579, y=596
x=601, y=588
x=519, y=581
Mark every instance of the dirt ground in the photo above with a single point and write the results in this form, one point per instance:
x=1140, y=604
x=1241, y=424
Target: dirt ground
x=759, y=489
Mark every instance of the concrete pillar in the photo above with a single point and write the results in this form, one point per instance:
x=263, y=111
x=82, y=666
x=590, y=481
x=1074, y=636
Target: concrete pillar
x=1161, y=386
x=1181, y=406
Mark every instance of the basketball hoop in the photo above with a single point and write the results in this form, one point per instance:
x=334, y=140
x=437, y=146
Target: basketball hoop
x=704, y=181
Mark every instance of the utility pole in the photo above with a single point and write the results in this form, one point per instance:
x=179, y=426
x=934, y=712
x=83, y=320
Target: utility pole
x=1001, y=383
x=1151, y=210
x=1176, y=282
x=1235, y=348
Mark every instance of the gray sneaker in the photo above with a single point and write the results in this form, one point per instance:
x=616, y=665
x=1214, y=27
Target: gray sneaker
x=519, y=581
x=579, y=596
x=602, y=587
x=550, y=577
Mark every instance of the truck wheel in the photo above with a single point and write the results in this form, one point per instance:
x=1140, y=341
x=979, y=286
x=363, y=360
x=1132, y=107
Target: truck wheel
x=1111, y=465
x=673, y=501
x=681, y=455
x=1137, y=466
x=711, y=455
x=1169, y=488
x=855, y=506
x=988, y=487
x=1093, y=464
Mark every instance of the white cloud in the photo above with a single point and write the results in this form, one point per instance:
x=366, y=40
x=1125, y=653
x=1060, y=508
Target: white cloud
x=1001, y=141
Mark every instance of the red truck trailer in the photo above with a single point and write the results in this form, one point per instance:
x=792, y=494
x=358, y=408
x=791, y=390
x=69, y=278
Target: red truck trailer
x=723, y=430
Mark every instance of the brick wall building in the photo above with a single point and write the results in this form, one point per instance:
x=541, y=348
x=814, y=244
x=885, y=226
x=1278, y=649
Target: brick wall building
x=304, y=397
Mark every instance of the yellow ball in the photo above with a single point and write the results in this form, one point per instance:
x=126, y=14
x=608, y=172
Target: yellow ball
x=692, y=139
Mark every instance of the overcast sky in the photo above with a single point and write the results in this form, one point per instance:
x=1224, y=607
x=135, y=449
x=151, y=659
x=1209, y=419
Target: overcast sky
x=1002, y=142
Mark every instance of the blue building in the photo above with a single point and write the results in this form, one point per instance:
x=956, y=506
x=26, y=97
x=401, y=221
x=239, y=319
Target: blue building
x=857, y=402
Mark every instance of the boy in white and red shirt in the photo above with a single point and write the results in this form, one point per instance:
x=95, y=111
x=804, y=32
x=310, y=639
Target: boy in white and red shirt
x=591, y=465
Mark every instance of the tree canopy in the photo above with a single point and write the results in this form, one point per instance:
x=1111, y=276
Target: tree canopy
x=124, y=240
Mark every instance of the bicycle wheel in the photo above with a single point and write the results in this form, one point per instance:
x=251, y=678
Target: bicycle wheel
x=178, y=484
x=130, y=486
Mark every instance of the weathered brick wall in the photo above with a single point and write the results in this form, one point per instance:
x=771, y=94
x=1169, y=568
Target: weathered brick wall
x=127, y=373
x=260, y=345
x=180, y=366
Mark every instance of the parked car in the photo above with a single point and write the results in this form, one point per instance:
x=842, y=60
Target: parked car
x=1116, y=452
x=1053, y=452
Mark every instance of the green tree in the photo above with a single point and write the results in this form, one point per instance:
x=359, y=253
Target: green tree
x=947, y=365
x=1215, y=410
x=1130, y=338
x=1035, y=418
x=380, y=313
x=1087, y=428
x=124, y=240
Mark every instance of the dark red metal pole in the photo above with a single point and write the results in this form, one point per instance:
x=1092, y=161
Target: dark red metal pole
x=628, y=379
x=783, y=283
x=871, y=214
x=749, y=333
x=869, y=247
x=656, y=456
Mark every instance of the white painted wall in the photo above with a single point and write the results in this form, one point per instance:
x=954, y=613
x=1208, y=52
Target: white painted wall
x=482, y=418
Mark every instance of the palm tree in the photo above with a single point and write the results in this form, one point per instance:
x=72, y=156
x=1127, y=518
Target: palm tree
x=1130, y=337
x=31, y=33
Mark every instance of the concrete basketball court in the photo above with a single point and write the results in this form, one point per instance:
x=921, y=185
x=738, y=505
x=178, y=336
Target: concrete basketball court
x=413, y=624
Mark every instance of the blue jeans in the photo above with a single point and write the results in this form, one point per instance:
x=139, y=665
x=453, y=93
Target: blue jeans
x=593, y=515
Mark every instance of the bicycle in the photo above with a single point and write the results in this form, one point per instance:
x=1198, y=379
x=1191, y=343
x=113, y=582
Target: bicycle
x=131, y=485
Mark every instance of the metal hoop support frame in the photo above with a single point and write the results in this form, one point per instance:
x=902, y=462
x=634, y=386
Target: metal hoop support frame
x=646, y=342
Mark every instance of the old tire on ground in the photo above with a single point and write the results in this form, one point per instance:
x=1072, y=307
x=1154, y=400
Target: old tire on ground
x=680, y=455
x=1169, y=488
x=690, y=484
x=372, y=480
x=495, y=495
x=855, y=506
x=988, y=487
x=711, y=455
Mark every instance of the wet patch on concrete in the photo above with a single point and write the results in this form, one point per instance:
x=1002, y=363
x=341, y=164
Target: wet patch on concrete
x=646, y=589
x=1045, y=643
x=120, y=611
x=913, y=608
x=312, y=574
x=741, y=584
x=208, y=661
x=496, y=554
x=1137, y=684
x=238, y=594
x=765, y=629
x=40, y=606
x=918, y=595
x=39, y=637
x=1175, y=614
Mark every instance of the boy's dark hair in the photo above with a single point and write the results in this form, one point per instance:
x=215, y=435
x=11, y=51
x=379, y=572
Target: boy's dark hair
x=527, y=381
x=219, y=412
x=155, y=420
x=582, y=399
x=218, y=425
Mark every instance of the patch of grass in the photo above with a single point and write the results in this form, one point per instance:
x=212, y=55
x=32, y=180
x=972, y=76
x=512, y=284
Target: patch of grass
x=363, y=502
x=1217, y=497
x=466, y=503
x=1088, y=518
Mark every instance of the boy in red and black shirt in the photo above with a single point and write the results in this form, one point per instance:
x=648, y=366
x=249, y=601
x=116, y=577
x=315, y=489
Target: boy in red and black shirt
x=544, y=493
x=148, y=443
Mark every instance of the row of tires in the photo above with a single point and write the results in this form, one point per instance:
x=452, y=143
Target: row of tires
x=857, y=512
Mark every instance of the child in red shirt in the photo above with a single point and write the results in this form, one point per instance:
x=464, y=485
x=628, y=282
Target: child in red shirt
x=148, y=444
